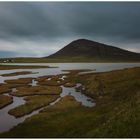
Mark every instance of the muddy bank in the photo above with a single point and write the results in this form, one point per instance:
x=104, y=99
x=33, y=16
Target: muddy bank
x=17, y=73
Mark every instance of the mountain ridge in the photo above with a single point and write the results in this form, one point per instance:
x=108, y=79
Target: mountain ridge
x=84, y=48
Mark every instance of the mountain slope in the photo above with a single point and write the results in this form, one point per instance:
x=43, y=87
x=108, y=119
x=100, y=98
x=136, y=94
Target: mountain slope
x=86, y=49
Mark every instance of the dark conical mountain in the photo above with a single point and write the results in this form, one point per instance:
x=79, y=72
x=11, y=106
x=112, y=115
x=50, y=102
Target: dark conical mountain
x=85, y=49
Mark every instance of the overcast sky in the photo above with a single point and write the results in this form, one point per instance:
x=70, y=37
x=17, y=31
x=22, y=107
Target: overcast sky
x=42, y=28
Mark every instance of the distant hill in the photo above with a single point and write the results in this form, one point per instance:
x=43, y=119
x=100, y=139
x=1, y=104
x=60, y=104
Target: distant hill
x=86, y=50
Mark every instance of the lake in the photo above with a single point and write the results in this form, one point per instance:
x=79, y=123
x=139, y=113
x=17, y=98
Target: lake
x=100, y=67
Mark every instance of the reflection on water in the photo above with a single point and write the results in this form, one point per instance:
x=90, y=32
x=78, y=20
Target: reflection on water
x=83, y=99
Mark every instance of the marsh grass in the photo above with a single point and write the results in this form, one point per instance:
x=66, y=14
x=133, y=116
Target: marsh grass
x=51, y=80
x=5, y=88
x=43, y=78
x=23, y=81
x=116, y=114
x=64, y=104
x=17, y=73
x=37, y=90
x=69, y=84
x=5, y=100
x=32, y=103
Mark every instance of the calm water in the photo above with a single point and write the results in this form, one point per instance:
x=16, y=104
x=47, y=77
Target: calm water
x=100, y=67
x=7, y=121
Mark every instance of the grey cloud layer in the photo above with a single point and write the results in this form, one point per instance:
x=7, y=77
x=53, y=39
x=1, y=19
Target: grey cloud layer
x=51, y=19
x=115, y=21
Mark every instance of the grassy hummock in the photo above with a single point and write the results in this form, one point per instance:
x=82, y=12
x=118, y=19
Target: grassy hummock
x=69, y=84
x=32, y=103
x=5, y=88
x=20, y=81
x=52, y=81
x=37, y=90
x=65, y=103
x=5, y=100
x=43, y=78
x=17, y=73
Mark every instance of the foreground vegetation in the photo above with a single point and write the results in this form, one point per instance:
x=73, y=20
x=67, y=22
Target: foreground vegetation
x=116, y=114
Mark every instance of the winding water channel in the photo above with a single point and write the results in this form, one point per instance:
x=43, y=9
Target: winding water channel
x=8, y=121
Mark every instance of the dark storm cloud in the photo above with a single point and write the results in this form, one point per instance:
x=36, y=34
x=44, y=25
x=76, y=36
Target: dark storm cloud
x=23, y=20
x=51, y=19
x=111, y=21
